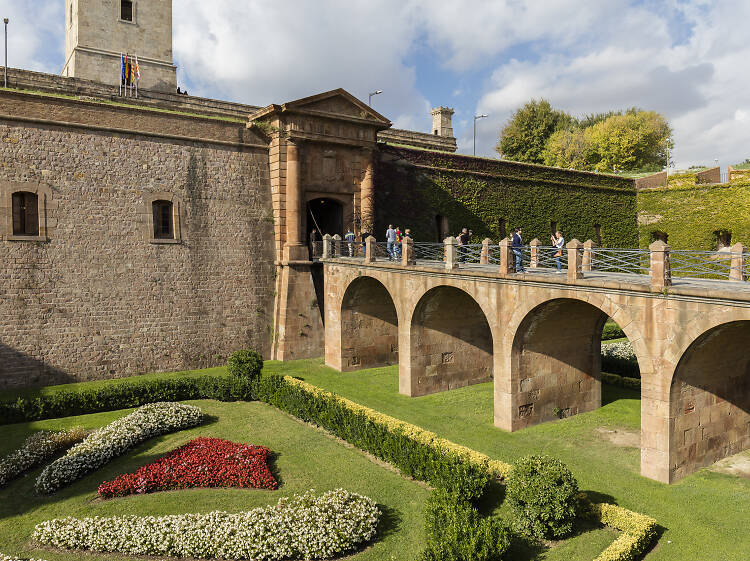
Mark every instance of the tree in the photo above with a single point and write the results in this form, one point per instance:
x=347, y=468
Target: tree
x=568, y=149
x=525, y=135
x=636, y=139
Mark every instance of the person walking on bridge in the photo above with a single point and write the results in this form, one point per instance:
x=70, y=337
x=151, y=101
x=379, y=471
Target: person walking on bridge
x=349, y=237
x=517, y=246
x=390, y=238
x=463, y=240
x=558, y=243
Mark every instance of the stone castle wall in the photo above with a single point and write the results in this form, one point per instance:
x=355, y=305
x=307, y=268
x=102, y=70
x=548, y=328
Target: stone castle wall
x=98, y=298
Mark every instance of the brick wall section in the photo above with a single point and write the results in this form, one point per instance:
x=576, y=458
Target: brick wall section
x=651, y=181
x=711, y=175
x=98, y=300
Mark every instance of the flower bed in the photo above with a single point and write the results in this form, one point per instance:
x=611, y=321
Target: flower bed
x=116, y=438
x=13, y=558
x=202, y=462
x=36, y=449
x=619, y=358
x=302, y=527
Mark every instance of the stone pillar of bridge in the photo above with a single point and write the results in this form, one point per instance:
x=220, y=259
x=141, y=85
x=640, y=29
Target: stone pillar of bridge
x=327, y=246
x=407, y=252
x=661, y=275
x=337, y=246
x=575, y=260
x=588, y=255
x=369, y=249
x=451, y=253
x=737, y=271
x=534, y=244
x=506, y=258
x=484, y=258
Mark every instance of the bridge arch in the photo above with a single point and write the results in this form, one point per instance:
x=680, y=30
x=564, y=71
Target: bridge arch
x=554, y=366
x=369, y=325
x=709, y=399
x=450, y=343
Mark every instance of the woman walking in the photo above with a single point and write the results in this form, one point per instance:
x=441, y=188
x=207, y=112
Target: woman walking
x=558, y=242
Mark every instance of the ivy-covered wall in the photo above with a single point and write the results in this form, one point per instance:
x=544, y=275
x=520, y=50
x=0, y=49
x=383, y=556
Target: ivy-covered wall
x=693, y=215
x=414, y=187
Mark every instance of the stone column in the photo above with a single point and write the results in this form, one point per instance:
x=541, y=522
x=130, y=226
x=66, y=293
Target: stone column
x=484, y=258
x=407, y=252
x=451, y=253
x=367, y=193
x=661, y=275
x=534, y=244
x=588, y=255
x=575, y=260
x=295, y=202
x=369, y=249
x=327, y=246
x=506, y=258
x=336, y=246
x=737, y=272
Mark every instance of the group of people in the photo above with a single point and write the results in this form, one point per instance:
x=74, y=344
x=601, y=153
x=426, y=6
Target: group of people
x=558, y=243
x=394, y=237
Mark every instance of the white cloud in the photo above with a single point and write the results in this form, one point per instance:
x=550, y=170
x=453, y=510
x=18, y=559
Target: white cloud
x=36, y=35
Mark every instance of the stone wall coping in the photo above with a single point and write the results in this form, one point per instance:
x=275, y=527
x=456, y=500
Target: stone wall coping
x=728, y=295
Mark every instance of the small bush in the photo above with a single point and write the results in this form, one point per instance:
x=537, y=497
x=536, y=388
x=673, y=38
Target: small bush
x=543, y=496
x=621, y=381
x=455, y=531
x=619, y=358
x=612, y=331
x=245, y=364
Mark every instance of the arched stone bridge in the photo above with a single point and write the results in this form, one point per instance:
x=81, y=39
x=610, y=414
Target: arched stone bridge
x=537, y=335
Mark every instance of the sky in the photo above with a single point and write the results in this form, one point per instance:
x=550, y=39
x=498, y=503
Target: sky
x=685, y=59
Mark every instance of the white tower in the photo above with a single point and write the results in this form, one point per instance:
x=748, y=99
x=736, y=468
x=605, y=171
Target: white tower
x=98, y=31
x=441, y=121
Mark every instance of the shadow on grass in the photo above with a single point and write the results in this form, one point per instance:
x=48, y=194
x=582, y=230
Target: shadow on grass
x=611, y=394
x=597, y=497
x=274, y=468
x=492, y=498
x=390, y=521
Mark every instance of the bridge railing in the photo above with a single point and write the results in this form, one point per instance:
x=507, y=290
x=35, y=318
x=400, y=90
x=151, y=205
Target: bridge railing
x=609, y=260
x=701, y=264
x=427, y=251
x=744, y=267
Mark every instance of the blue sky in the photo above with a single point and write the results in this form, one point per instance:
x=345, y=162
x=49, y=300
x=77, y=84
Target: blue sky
x=686, y=59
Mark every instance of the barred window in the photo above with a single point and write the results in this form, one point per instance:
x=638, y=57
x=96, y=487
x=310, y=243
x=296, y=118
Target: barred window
x=163, y=220
x=126, y=10
x=25, y=214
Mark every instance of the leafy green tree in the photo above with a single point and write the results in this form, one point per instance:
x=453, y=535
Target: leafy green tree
x=525, y=135
x=629, y=141
x=568, y=149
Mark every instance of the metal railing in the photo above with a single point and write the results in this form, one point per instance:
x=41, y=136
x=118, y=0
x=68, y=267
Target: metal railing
x=546, y=257
x=426, y=251
x=746, y=266
x=700, y=264
x=316, y=250
x=469, y=253
x=632, y=261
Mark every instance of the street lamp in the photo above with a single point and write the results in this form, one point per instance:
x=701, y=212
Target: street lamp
x=5, y=21
x=482, y=116
x=376, y=92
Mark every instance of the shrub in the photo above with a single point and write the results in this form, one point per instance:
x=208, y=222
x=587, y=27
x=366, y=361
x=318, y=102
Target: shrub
x=621, y=381
x=612, y=331
x=36, y=449
x=619, y=358
x=202, y=462
x=302, y=527
x=245, y=364
x=455, y=531
x=113, y=440
x=638, y=530
x=543, y=496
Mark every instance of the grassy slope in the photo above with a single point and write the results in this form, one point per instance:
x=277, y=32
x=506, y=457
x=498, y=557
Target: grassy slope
x=306, y=459
x=705, y=516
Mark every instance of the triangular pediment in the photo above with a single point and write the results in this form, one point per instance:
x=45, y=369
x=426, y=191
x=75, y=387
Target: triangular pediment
x=337, y=103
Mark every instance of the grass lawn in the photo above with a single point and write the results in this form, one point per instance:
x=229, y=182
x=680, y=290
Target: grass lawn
x=307, y=458
x=704, y=517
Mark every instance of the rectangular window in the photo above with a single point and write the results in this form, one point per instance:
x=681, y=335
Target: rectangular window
x=126, y=10
x=552, y=226
x=163, y=223
x=598, y=235
x=25, y=214
x=502, y=228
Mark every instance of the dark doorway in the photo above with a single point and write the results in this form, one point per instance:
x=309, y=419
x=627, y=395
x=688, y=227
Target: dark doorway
x=324, y=216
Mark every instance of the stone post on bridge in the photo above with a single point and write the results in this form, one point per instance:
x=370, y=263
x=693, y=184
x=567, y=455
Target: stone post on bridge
x=661, y=274
x=575, y=260
x=534, y=244
x=737, y=271
x=369, y=249
x=327, y=246
x=484, y=258
x=506, y=258
x=407, y=252
x=337, y=246
x=451, y=253
x=588, y=255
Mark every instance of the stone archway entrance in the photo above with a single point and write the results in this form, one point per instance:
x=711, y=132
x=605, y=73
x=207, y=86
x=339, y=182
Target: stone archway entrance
x=324, y=216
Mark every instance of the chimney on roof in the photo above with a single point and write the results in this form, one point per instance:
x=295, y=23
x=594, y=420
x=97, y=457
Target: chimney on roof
x=441, y=121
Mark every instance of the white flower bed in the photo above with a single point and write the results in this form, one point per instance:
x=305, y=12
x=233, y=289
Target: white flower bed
x=622, y=350
x=116, y=438
x=8, y=558
x=302, y=527
x=37, y=448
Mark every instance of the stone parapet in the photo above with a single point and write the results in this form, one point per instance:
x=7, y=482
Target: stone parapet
x=418, y=139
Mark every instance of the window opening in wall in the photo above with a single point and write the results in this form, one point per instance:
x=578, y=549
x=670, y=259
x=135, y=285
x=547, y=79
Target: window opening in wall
x=126, y=10
x=552, y=226
x=436, y=131
x=598, y=235
x=502, y=228
x=163, y=223
x=25, y=214
x=659, y=235
x=723, y=239
x=71, y=13
x=441, y=223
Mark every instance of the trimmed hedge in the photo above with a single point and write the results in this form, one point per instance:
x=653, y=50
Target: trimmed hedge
x=612, y=331
x=245, y=364
x=456, y=531
x=638, y=530
x=621, y=381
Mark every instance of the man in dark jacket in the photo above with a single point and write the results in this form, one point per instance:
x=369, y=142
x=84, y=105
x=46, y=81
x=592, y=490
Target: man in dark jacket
x=517, y=246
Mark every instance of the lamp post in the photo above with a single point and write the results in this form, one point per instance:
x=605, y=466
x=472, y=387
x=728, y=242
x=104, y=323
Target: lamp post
x=376, y=92
x=5, y=21
x=482, y=116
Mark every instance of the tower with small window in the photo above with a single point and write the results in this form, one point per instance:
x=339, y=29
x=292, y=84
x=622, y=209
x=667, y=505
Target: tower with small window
x=98, y=32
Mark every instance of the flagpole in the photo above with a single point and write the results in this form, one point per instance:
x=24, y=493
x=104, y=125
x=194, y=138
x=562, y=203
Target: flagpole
x=120, y=80
x=137, y=77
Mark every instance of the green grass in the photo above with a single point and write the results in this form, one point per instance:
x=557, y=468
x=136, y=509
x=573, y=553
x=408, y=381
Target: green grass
x=704, y=516
x=307, y=458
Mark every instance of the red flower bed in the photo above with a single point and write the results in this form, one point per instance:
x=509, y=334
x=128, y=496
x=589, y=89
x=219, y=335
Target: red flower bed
x=203, y=462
